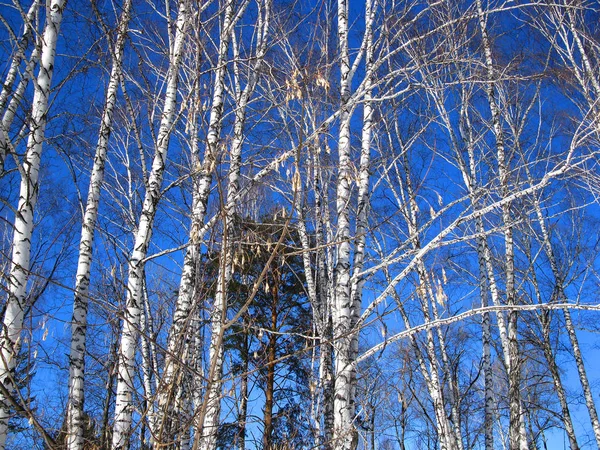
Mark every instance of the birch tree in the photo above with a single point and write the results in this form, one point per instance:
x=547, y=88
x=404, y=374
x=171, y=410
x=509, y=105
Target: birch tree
x=134, y=303
x=11, y=97
x=564, y=28
x=347, y=297
x=24, y=214
x=75, y=416
x=199, y=208
x=209, y=415
x=431, y=165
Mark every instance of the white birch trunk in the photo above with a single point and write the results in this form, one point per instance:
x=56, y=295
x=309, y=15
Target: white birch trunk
x=11, y=76
x=15, y=101
x=184, y=307
x=23, y=225
x=447, y=434
x=209, y=426
x=324, y=282
x=587, y=393
x=200, y=195
x=429, y=376
x=545, y=320
x=317, y=306
x=7, y=87
x=322, y=392
x=343, y=313
x=123, y=402
x=454, y=394
x=593, y=79
x=469, y=175
x=22, y=45
x=147, y=366
x=583, y=75
x=75, y=417
x=348, y=289
x=517, y=433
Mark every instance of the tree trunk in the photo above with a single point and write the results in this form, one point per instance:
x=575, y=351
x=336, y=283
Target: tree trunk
x=200, y=196
x=123, y=405
x=23, y=224
x=344, y=315
x=517, y=434
x=209, y=416
x=270, y=381
x=7, y=87
x=75, y=417
x=587, y=393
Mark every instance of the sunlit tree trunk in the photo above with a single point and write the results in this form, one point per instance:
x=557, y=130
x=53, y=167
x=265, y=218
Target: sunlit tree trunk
x=8, y=109
x=344, y=315
x=517, y=433
x=123, y=404
x=448, y=434
x=202, y=185
x=23, y=222
x=75, y=417
x=148, y=362
x=209, y=415
x=561, y=25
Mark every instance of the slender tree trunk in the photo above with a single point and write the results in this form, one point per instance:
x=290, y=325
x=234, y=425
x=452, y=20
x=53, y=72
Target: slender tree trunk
x=110, y=381
x=587, y=393
x=8, y=116
x=23, y=224
x=124, y=407
x=558, y=386
x=585, y=74
x=200, y=196
x=517, y=434
x=243, y=412
x=319, y=295
x=148, y=368
x=270, y=380
x=545, y=318
x=454, y=393
x=75, y=417
x=344, y=315
x=348, y=290
x=209, y=416
x=22, y=45
x=7, y=87
x=486, y=339
x=450, y=433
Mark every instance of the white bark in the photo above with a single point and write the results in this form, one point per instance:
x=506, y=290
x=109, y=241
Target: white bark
x=447, y=434
x=23, y=222
x=322, y=405
x=545, y=321
x=430, y=376
x=344, y=315
x=199, y=207
x=347, y=296
x=517, y=433
x=75, y=417
x=147, y=365
x=211, y=411
x=565, y=19
x=200, y=196
x=570, y=40
x=7, y=87
x=587, y=393
x=123, y=402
